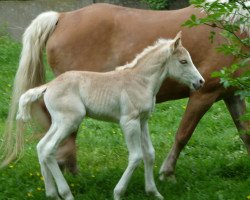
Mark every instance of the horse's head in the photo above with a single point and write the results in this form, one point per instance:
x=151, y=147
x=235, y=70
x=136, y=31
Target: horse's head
x=180, y=65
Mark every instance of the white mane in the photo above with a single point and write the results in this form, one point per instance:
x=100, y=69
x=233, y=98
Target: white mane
x=236, y=15
x=157, y=44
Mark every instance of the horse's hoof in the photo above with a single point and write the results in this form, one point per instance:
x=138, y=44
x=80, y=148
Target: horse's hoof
x=169, y=178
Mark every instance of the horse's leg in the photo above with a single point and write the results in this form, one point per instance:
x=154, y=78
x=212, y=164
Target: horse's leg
x=149, y=158
x=132, y=132
x=237, y=108
x=197, y=106
x=50, y=187
x=66, y=154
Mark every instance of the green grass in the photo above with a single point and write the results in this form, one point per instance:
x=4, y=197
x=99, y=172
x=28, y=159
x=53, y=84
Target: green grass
x=213, y=166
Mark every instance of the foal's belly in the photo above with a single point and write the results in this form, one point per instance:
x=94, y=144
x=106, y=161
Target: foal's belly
x=109, y=116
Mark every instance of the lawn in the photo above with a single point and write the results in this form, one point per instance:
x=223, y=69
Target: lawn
x=213, y=166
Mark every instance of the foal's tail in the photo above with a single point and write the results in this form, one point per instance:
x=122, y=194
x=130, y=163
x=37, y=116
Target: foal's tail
x=30, y=73
x=26, y=100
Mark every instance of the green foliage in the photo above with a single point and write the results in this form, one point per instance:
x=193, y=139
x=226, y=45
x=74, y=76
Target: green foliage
x=219, y=15
x=157, y=4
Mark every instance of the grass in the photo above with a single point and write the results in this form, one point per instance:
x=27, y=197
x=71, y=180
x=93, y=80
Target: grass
x=213, y=166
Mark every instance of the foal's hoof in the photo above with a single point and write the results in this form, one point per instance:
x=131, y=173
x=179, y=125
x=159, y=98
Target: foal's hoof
x=117, y=197
x=170, y=178
x=159, y=196
x=156, y=194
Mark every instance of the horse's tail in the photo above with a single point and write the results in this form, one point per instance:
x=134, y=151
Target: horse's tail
x=30, y=73
x=26, y=100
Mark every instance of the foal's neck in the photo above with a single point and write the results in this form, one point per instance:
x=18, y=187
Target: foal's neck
x=151, y=70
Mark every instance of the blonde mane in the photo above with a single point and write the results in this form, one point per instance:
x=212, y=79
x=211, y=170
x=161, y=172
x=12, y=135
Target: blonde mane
x=157, y=45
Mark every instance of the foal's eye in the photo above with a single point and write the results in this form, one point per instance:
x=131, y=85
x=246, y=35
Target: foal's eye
x=183, y=61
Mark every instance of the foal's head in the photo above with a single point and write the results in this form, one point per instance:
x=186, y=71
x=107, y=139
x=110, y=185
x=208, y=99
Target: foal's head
x=180, y=67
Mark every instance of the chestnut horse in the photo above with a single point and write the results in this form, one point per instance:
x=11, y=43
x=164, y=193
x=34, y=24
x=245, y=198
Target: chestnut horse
x=101, y=36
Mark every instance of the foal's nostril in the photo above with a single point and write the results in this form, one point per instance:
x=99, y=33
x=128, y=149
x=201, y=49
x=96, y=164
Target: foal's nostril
x=201, y=81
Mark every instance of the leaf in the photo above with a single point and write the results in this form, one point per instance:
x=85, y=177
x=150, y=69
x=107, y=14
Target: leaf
x=216, y=74
x=193, y=18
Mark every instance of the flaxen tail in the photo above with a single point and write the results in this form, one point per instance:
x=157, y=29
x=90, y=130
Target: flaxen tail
x=30, y=73
x=32, y=95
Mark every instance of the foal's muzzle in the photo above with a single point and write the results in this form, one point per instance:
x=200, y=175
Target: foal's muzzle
x=199, y=84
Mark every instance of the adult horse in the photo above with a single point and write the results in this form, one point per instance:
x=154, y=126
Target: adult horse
x=101, y=36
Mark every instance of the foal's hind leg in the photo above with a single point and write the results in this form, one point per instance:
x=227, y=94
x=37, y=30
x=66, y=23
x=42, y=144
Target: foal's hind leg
x=66, y=154
x=237, y=108
x=50, y=187
x=64, y=124
x=197, y=106
x=49, y=159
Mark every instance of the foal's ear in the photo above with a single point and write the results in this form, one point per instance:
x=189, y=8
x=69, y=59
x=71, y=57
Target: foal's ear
x=177, y=41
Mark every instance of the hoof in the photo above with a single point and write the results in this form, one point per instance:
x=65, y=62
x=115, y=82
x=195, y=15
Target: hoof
x=155, y=193
x=118, y=192
x=169, y=178
x=117, y=197
x=159, y=196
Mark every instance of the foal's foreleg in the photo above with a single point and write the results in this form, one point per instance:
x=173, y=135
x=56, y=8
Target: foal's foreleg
x=132, y=131
x=237, y=108
x=148, y=157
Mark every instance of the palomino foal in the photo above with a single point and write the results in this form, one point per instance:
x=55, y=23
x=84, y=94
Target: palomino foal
x=125, y=96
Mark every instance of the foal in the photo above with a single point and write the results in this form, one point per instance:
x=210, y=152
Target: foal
x=125, y=96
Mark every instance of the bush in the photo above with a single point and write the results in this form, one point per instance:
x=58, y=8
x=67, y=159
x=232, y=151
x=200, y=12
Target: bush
x=157, y=4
